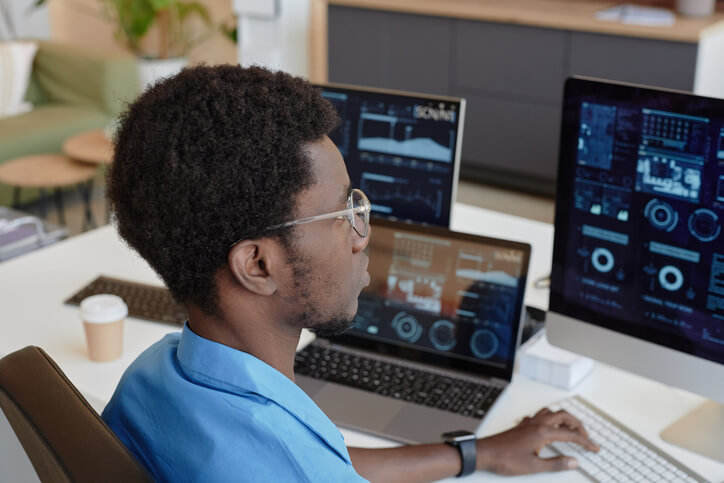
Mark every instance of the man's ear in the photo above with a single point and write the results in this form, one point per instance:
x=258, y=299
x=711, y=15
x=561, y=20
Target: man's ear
x=252, y=263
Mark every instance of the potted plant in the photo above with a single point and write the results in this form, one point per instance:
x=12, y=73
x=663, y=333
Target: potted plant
x=158, y=32
x=135, y=18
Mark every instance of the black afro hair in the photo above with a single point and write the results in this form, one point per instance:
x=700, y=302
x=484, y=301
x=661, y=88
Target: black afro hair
x=207, y=157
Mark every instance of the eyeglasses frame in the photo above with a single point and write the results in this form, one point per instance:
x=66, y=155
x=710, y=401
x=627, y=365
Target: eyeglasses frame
x=347, y=214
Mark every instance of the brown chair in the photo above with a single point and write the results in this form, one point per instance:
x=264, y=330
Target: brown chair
x=63, y=437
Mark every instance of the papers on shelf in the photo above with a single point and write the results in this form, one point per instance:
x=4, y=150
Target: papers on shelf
x=638, y=15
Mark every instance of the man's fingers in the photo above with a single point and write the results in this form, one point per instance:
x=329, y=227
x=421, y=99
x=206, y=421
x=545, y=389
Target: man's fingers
x=557, y=463
x=564, y=418
x=573, y=436
x=542, y=412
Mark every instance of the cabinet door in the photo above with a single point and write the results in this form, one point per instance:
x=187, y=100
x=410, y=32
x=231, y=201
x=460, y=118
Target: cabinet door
x=510, y=61
x=354, y=46
x=644, y=61
x=390, y=50
x=514, y=136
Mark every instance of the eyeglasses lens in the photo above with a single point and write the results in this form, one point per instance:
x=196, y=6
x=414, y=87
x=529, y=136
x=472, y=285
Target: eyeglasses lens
x=361, y=216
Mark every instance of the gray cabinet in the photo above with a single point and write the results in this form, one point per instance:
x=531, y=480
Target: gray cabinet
x=510, y=61
x=511, y=75
x=390, y=50
x=645, y=61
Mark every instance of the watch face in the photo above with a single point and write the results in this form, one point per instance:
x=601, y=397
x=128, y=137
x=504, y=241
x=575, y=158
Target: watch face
x=456, y=436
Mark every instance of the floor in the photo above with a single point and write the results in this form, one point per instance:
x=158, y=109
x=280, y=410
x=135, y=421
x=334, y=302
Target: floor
x=507, y=201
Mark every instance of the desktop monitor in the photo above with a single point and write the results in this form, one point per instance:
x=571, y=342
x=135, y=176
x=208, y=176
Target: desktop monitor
x=401, y=149
x=638, y=259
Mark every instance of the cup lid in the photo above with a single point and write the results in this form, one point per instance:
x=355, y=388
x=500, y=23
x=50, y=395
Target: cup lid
x=103, y=308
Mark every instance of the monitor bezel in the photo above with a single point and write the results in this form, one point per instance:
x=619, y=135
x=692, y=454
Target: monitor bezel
x=448, y=360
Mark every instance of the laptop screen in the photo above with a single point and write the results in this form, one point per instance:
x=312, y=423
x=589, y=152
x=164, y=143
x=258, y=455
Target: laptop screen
x=447, y=298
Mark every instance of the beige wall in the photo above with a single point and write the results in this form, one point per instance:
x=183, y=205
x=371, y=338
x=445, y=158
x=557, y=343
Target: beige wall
x=81, y=22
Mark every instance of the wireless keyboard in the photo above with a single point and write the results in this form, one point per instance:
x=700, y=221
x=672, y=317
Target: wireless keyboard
x=144, y=301
x=624, y=456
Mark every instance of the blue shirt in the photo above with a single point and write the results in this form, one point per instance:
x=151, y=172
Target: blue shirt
x=194, y=410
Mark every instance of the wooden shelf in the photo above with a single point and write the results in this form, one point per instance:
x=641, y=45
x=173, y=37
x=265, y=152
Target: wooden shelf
x=576, y=15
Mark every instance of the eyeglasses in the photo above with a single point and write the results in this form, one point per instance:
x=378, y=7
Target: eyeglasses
x=357, y=214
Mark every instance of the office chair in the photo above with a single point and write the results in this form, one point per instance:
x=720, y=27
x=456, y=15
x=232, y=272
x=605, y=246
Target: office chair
x=63, y=437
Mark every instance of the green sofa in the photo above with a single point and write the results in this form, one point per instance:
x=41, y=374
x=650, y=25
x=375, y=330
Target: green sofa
x=72, y=89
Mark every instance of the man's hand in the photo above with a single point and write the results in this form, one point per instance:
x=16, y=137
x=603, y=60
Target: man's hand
x=512, y=452
x=515, y=451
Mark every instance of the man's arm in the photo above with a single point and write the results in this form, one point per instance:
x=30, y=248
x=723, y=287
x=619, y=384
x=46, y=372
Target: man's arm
x=512, y=452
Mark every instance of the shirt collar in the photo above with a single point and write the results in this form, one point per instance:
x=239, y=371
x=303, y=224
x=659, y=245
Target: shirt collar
x=221, y=367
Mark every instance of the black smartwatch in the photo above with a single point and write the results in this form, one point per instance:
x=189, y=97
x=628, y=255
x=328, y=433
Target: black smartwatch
x=464, y=441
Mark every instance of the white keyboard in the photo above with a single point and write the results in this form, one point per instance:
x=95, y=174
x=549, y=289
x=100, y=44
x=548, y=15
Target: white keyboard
x=624, y=455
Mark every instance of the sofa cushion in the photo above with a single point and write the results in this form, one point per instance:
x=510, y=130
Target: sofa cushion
x=44, y=129
x=74, y=75
x=16, y=61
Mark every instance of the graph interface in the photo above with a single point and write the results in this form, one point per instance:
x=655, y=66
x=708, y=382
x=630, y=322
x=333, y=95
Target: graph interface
x=441, y=294
x=401, y=149
x=644, y=177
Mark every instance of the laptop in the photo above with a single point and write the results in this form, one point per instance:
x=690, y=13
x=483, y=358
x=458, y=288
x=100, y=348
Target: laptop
x=433, y=343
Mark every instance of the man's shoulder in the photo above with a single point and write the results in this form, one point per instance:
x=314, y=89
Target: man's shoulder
x=157, y=353
x=212, y=435
x=180, y=424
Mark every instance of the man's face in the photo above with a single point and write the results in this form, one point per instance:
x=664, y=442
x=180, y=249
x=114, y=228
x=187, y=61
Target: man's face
x=328, y=260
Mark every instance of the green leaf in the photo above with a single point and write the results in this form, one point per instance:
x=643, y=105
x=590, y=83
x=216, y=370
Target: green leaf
x=230, y=32
x=158, y=5
x=134, y=17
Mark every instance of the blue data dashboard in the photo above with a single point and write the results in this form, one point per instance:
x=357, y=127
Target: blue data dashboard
x=401, y=149
x=639, y=216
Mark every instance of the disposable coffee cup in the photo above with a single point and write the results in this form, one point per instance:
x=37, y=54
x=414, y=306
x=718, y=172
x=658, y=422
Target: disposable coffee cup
x=103, y=317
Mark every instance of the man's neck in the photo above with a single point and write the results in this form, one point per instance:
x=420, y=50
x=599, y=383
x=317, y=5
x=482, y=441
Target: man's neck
x=255, y=334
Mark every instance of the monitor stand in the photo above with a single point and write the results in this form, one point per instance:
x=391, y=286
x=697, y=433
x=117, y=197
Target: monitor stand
x=700, y=431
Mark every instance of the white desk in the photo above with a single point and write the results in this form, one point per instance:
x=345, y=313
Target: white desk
x=34, y=286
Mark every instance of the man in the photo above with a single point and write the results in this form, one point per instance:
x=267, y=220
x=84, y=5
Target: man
x=225, y=181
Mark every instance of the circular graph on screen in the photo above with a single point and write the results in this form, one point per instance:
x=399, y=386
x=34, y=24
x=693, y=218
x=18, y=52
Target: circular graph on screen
x=406, y=327
x=602, y=259
x=484, y=343
x=671, y=278
x=704, y=225
x=442, y=335
x=661, y=215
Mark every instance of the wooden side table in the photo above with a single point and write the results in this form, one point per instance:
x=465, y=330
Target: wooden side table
x=50, y=171
x=89, y=147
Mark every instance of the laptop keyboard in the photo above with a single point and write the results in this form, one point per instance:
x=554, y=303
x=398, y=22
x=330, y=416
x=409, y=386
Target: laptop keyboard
x=144, y=301
x=459, y=396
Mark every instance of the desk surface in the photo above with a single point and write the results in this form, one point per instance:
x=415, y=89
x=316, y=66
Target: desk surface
x=34, y=286
x=577, y=15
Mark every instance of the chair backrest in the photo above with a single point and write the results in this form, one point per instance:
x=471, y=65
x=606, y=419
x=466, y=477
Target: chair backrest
x=64, y=438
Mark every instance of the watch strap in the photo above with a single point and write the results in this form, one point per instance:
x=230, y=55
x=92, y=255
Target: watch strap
x=468, y=455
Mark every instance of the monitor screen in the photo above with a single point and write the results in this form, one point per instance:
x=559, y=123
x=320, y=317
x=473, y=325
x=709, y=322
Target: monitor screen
x=434, y=292
x=401, y=149
x=639, y=248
